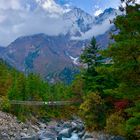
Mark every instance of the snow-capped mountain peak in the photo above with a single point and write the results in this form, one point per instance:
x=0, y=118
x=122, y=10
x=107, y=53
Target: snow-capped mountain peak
x=45, y=54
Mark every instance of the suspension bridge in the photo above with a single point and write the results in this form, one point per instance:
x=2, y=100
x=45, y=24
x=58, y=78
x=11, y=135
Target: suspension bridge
x=42, y=103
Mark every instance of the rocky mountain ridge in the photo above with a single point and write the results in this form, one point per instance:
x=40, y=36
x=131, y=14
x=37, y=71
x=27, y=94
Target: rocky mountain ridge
x=49, y=56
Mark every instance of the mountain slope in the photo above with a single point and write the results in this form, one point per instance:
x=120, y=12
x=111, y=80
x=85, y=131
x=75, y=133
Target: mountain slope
x=80, y=21
x=55, y=56
x=2, y=49
x=42, y=54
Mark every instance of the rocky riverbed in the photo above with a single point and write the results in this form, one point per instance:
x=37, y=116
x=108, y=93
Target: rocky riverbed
x=12, y=129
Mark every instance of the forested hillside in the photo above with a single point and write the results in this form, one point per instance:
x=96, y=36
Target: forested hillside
x=16, y=86
x=112, y=80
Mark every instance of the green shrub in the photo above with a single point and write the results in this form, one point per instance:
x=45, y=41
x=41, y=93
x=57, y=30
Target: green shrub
x=115, y=124
x=5, y=104
x=133, y=126
x=92, y=110
x=133, y=123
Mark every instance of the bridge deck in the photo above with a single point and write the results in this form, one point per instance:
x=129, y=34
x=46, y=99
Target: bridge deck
x=40, y=103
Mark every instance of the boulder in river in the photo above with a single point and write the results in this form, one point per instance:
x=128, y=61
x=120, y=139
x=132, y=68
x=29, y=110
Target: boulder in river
x=65, y=133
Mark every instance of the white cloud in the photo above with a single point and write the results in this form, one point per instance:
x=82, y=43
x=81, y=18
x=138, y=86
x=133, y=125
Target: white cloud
x=10, y=4
x=16, y=20
x=98, y=12
x=26, y=17
x=96, y=6
x=2, y=18
x=51, y=6
x=138, y=1
x=96, y=30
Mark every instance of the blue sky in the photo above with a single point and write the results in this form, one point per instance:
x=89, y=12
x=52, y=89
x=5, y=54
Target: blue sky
x=92, y=5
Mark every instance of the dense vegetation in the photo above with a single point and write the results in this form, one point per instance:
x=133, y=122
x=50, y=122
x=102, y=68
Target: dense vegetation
x=16, y=86
x=112, y=80
x=108, y=86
